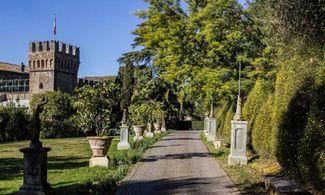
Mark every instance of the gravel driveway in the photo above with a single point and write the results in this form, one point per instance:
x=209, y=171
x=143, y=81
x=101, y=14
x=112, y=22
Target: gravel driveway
x=178, y=164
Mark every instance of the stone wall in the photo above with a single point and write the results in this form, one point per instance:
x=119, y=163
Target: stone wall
x=40, y=82
x=65, y=82
x=13, y=96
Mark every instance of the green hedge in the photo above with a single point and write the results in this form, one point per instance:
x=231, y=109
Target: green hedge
x=14, y=123
x=287, y=117
x=197, y=125
x=57, y=116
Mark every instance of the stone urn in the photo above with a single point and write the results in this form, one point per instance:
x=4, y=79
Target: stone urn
x=99, y=146
x=138, y=130
x=157, y=127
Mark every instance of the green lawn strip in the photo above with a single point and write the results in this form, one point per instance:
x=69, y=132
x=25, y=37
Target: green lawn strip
x=246, y=178
x=68, y=171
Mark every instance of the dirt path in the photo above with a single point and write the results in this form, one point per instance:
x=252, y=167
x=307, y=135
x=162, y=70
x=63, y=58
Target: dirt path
x=177, y=164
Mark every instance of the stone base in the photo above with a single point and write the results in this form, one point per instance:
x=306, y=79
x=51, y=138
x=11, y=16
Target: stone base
x=157, y=132
x=123, y=145
x=98, y=161
x=149, y=134
x=35, y=172
x=35, y=190
x=137, y=138
x=237, y=160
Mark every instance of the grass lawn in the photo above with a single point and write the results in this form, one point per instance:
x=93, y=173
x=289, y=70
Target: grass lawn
x=249, y=178
x=68, y=171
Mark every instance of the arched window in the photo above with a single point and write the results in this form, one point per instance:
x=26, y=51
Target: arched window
x=42, y=62
x=40, y=86
x=46, y=63
x=38, y=63
x=51, y=63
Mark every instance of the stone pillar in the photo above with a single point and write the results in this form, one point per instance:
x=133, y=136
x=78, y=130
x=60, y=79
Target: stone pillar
x=124, y=138
x=211, y=129
x=238, y=143
x=35, y=172
x=163, y=126
x=149, y=130
x=206, y=126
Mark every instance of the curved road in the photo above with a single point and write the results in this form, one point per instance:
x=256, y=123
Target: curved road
x=178, y=164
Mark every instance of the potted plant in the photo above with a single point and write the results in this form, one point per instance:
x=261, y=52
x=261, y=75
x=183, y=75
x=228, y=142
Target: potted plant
x=158, y=116
x=94, y=105
x=139, y=115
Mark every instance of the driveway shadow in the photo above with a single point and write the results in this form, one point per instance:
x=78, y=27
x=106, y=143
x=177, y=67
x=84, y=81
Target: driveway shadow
x=174, y=186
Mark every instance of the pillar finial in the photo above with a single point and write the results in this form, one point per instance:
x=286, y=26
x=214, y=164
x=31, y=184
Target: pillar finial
x=237, y=116
x=211, y=110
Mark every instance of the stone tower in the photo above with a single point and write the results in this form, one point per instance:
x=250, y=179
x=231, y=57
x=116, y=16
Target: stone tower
x=53, y=66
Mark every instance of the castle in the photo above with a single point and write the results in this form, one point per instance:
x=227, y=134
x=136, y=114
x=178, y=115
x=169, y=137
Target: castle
x=52, y=65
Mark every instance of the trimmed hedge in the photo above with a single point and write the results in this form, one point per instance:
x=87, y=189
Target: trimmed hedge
x=287, y=117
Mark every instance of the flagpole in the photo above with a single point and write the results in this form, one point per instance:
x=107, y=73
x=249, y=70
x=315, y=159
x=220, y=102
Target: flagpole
x=54, y=27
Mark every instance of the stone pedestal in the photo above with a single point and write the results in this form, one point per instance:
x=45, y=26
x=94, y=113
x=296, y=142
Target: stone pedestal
x=206, y=126
x=124, y=138
x=98, y=161
x=149, y=134
x=35, y=172
x=211, y=128
x=238, y=143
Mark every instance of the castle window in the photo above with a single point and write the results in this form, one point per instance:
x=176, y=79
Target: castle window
x=33, y=64
x=41, y=86
x=46, y=63
x=42, y=63
x=38, y=63
x=51, y=63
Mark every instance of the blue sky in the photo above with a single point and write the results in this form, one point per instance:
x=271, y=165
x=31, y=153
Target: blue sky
x=101, y=28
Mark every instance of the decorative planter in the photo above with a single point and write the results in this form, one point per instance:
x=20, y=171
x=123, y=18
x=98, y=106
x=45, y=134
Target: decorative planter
x=149, y=130
x=157, y=127
x=99, y=146
x=138, y=130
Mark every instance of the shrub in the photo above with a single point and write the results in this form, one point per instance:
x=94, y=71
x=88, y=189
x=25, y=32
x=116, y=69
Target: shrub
x=57, y=116
x=140, y=113
x=94, y=106
x=14, y=123
x=158, y=113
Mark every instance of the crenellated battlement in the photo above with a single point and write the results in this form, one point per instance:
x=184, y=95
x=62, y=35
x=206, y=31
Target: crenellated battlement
x=53, y=46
